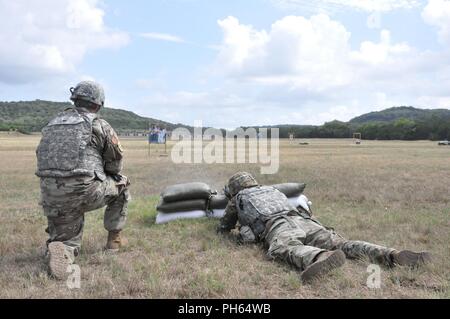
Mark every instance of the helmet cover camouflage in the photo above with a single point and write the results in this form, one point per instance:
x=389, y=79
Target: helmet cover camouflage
x=239, y=181
x=88, y=91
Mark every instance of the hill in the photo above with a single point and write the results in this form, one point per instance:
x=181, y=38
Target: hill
x=32, y=116
x=401, y=112
x=396, y=123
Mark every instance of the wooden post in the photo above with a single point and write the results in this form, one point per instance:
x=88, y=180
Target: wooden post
x=149, y=136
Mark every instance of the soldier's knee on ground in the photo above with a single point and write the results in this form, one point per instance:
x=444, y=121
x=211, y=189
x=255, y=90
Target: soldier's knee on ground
x=67, y=229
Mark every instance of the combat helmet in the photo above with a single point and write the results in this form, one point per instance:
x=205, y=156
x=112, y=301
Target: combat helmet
x=239, y=181
x=88, y=91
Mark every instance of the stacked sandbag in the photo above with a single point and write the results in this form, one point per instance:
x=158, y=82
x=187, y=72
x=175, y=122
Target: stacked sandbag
x=217, y=204
x=196, y=200
x=294, y=193
x=187, y=191
x=291, y=190
x=181, y=201
x=181, y=206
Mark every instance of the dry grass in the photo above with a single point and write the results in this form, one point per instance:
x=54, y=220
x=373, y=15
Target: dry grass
x=392, y=193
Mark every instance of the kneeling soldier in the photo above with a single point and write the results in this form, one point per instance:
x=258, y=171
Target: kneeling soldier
x=79, y=162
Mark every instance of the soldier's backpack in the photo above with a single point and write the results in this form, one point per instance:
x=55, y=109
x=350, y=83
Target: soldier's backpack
x=257, y=205
x=65, y=149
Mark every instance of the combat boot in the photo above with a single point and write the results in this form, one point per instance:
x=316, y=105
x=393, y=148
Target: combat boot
x=410, y=258
x=115, y=241
x=59, y=260
x=325, y=262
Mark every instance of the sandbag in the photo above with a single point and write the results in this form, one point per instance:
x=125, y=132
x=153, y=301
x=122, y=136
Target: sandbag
x=218, y=201
x=291, y=189
x=181, y=206
x=162, y=218
x=301, y=201
x=217, y=213
x=188, y=191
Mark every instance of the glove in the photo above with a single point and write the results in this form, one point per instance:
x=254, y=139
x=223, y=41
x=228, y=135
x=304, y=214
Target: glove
x=219, y=230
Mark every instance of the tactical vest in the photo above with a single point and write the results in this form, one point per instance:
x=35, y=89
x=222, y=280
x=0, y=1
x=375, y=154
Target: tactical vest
x=66, y=149
x=257, y=205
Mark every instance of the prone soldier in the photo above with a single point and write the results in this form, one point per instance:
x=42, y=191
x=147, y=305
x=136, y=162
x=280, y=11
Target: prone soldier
x=291, y=234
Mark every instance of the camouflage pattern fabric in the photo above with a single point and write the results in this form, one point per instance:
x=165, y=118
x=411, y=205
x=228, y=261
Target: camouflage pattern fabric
x=88, y=91
x=66, y=199
x=230, y=217
x=65, y=149
x=239, y=181
x=246, y=235
x=257, y=205
x=298, y=240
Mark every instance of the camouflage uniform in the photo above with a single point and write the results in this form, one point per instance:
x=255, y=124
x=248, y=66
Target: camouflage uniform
x=298, y=240
x=80, y=172
x=292, y=235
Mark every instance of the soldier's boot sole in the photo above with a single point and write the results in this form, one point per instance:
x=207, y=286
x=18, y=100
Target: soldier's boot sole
x=321, y=267
x=58, y=260
x=410, y=258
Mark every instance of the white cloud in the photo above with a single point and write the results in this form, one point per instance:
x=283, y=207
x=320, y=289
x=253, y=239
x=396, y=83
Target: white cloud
x=305, y=71
x=290, y=52
x=437, y=13
x=309, y=54
x=50, y=37
x=162, y=37
x=363, y=5
x=382, y=52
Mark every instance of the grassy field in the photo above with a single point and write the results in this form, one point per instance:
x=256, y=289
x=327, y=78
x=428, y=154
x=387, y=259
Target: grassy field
x=392, y=193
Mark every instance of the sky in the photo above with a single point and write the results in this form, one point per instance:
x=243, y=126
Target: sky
x=231, y=62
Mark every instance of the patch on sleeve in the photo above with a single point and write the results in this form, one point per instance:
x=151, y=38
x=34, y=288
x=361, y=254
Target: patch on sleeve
x=113, y=148
x=119, y=146
x=114, y=139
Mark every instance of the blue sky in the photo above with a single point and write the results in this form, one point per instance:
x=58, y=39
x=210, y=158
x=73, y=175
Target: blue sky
x=231, y=63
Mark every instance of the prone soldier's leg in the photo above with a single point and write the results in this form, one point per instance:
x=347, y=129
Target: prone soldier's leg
x=286, y=241
x=376, y=253
x=328, y=239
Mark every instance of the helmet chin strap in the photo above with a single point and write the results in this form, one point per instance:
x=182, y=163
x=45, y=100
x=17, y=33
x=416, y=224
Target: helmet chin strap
x=98, y=108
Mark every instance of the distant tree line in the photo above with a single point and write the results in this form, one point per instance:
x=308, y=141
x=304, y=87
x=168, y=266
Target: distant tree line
x=397, y=123
x=433, y=128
